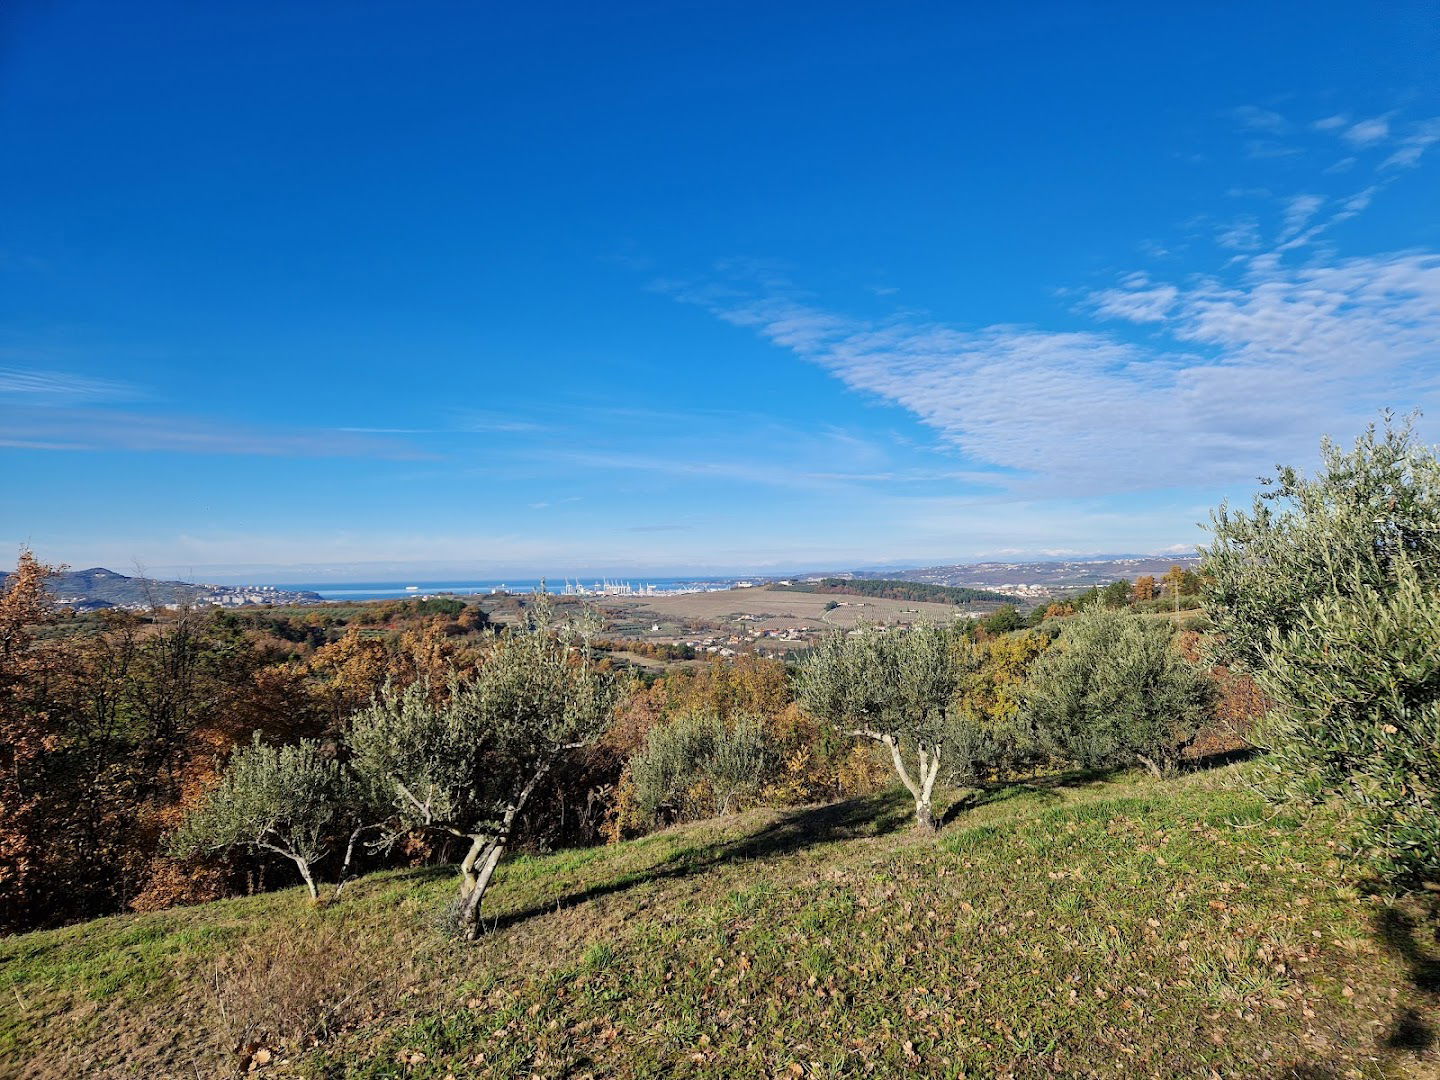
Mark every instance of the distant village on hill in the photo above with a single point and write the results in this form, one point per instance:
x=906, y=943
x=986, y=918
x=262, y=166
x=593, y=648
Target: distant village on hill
x=1035, y=580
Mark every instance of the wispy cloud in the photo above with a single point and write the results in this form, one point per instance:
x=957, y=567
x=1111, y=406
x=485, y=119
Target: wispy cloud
x=1262, y=149
x=40, y=444
x=1176, y=380
x=1367, y=132
x=1304, y=217
x=1254, y=118
x=61, y=386
x=113, y=429
x=1407, y=140
x=391, y=430
x=1270, y=132
x=1299, y=209
x=690, y=464
x=1412, y=146
x=65, y=412
x=480, y=422
x=1242, y=234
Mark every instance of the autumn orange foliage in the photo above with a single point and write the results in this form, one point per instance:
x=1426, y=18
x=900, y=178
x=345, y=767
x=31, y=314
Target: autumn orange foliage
x=24, y=732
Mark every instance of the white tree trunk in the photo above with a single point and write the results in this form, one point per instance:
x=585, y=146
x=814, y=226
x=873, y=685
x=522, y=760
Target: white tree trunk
x=921, y=789
x=304, y=867
x=480, y=861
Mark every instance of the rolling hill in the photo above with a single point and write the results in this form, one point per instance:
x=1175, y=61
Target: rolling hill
x=95, y=588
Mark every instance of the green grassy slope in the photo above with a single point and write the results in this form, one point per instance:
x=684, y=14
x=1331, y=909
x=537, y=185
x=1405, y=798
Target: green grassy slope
x=1120, y=927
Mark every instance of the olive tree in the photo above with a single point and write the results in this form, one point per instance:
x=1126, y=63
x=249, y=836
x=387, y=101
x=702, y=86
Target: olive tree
x=1114, y=691
x=1356, y=687
x=465, y=763
x=1328, y=536
x=700, y=764
x=898, y=689
x=296, y=801
x=1328, y=593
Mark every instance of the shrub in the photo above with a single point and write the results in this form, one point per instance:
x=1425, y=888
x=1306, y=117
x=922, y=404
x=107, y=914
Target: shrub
x=1356, y=692
x=1326, y=592
x=1333, y=535
x=701, y=765
x=1115, y=595
x=815, y=764
x=295, y=801
x=1113, y=691
x=988, y=701
x=1186, y=602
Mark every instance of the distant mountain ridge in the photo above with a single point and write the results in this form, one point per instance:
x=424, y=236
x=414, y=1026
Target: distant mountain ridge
x=98, y=588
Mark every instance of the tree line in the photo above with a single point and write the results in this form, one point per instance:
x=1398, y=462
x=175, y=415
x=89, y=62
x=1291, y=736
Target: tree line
x=914, y=591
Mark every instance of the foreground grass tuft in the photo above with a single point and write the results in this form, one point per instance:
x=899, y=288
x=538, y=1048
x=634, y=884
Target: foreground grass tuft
x=1131, y=926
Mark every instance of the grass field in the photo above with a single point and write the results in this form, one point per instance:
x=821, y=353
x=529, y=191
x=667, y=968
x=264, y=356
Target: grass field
x=781, y=609
x=1114, y=927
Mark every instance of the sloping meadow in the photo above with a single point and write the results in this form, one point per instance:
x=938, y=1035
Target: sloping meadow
x=1159, y=928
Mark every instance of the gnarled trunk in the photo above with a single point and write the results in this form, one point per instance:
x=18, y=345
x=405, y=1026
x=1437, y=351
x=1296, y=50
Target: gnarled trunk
x=925, y=816
x=301, y=863
x=473, y=885
x=478, y=867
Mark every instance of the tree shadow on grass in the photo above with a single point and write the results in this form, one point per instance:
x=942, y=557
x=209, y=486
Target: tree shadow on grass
x=1415, y=939
x=1413, y=936
x=1041, y=788
x=1221, y=758
x=870, y=815
x=793, y=831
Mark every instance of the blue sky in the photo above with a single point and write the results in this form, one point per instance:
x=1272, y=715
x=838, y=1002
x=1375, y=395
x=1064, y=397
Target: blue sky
x=370, y=288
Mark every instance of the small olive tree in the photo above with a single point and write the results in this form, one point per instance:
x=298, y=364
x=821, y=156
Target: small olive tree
x=701, y=764
x=1113, y=691
x=296, y=801
x=897, y=688
x=467, y=765
x=1328, y=593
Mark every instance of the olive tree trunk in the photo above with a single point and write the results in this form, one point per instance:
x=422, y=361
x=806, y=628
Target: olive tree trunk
x=920, y=786
x=478, y=867
x=301, y=863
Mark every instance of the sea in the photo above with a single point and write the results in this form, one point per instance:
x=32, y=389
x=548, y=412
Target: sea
x=391, y=590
